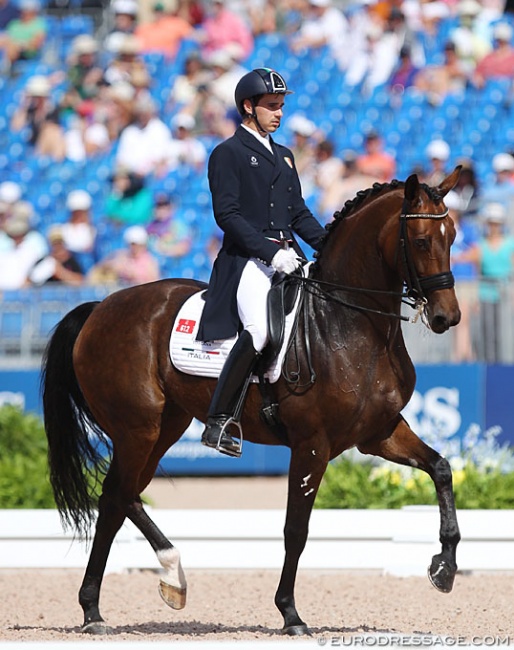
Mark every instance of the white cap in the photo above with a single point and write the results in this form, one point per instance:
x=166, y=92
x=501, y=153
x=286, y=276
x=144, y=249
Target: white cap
x=135, y=235
x=468, y=8
x=84, y=44
x=453, y=201
x=38, y=86
x=183, y=120
x=29, y=5
x=503, y=162
x=502, y=32
x=129, y=44
x=319, y=3
x=495, y=212
x=78, y=200
x=122, y=90
x=10, y=192
x=128, y=7
x=220, y=59
x=438, y=149
x=301, y=125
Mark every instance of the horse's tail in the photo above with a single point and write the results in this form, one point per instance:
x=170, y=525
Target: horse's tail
x=72, y=457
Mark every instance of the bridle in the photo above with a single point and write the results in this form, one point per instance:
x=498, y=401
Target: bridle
x=415, y=295
x=418, y=288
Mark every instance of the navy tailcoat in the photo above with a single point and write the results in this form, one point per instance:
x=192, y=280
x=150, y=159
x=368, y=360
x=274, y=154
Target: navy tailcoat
x=256, y=195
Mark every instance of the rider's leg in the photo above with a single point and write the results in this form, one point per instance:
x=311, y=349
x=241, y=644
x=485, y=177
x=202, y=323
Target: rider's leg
x=233, y=381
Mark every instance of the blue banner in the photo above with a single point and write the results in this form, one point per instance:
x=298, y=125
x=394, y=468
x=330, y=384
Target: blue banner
x=448, y=401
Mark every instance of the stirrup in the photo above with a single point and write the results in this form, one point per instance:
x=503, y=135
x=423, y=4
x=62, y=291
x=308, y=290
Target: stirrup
x=215, y=440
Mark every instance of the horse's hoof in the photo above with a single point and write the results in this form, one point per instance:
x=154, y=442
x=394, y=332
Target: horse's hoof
x=174, y=597
x=97, y=628
x=441, y=574
x=296, y=630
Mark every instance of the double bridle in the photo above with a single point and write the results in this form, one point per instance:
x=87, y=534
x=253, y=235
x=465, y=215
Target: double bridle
x=415, y=295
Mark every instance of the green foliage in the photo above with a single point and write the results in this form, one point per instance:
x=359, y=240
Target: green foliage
x=24, y=481
x=353, y=484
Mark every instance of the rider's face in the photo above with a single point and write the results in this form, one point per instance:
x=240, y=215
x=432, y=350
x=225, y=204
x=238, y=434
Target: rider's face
x=269, y=112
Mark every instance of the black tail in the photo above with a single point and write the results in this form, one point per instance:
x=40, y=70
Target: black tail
x=73, y=458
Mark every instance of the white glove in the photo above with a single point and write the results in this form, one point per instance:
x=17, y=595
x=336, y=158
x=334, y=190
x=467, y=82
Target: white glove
x=285, y=261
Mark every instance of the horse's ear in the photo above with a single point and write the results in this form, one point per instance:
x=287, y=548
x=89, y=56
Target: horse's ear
x=411, y=187
x=449, y=182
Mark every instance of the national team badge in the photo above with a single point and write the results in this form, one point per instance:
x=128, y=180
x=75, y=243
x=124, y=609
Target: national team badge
x=289, y=161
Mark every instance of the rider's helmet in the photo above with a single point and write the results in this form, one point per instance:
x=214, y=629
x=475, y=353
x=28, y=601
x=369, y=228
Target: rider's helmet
x=261, y=81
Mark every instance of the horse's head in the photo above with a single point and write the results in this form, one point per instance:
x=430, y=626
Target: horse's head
x=426, y=235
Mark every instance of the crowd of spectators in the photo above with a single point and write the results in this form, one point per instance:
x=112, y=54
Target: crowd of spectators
x=105, y=99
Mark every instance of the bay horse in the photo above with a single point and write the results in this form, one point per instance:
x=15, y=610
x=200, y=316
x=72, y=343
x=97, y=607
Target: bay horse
x=107, y=369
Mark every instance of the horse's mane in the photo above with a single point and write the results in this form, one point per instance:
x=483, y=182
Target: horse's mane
x=359, y=199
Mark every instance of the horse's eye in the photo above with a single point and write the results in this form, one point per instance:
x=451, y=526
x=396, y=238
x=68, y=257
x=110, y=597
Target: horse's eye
x=422, y=243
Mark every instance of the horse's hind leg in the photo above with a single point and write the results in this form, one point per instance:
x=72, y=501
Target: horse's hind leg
x=403, y=446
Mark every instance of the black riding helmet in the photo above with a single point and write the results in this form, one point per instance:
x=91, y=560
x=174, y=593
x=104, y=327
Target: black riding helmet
x=261, y=81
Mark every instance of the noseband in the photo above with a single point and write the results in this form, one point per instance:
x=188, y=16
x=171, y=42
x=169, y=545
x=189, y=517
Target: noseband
x=419, y=287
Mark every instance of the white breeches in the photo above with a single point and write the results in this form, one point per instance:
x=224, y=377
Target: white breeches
x=252, y=294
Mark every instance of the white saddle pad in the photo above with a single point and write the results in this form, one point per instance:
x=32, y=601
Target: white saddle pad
x=206, y=359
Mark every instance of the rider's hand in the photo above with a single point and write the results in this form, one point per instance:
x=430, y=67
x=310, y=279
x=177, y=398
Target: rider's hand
x=285, y=261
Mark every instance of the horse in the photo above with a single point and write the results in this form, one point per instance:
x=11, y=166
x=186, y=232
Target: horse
x=346, y=378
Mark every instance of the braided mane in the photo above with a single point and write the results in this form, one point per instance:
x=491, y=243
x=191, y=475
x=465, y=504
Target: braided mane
x=362, y=196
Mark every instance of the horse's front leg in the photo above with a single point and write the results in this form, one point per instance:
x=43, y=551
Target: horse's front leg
x=403, y=446
x=308, y=464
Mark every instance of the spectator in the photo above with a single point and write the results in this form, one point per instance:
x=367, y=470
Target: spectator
x=494, y=258
x=324, y=25
x=78, y=232
x=60, y=265
x=27, y=246
x=117, y=104
x=438, y=153
x=125, y=22
x=144, y=144
x=438, y=81
x=168, y=234
x=468, y=188
x=10, y=194
x=469, y=36
x=131, y=265
x=225, y=73
x=24, y=36
x=466, y=277
x=405, y=72
x=184, y=148
x=501, y=188
x=164, y=33
x=344, y=188
x=84, y=73
x=376, y=162
x=500, y=62
x=87, y=133
x=328, y=167
x=184, y=92
x=268, y=17
x=222, y=28
x=129, y=202
x=126, y=62
x=8, y=12
x=304, y=150
x=39, y=115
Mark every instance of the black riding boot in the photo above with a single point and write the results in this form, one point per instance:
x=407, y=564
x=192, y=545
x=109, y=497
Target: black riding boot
x=228, y=396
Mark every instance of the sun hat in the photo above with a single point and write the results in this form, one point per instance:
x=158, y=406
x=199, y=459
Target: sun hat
x=184, y=121
x=502, y=32
x=495, y=212
x=55, y=233
x=438, y=150
x=84, y=44
x=301, y=125
x=10, y=192
x=78, y=200
x=503, y=162
x=38, y=86
x=135, y=235
x=17, y=225
x=128, y=7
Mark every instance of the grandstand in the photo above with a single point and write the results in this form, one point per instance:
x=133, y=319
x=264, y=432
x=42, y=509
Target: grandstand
x=476, y=123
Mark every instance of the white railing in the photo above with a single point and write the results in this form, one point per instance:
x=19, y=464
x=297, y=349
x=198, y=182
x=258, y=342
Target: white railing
x=397, y=542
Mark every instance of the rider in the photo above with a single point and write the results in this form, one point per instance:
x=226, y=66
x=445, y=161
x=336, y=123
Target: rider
x=258, y=204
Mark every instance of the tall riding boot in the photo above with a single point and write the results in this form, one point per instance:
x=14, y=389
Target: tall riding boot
x=228, y=397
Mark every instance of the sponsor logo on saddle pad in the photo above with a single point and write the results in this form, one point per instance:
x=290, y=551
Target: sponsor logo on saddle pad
x=206, y=359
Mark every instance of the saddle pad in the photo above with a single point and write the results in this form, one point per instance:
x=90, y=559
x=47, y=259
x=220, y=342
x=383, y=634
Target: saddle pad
x=206, y=359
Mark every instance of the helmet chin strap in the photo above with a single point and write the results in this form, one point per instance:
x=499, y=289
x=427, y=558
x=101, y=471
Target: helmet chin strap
x=254, y=117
